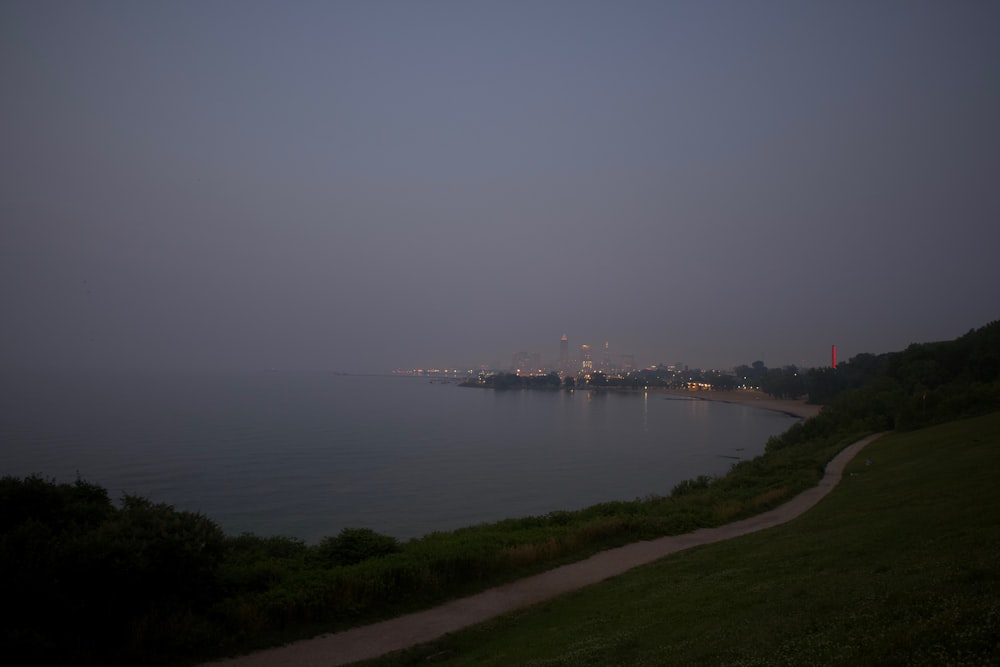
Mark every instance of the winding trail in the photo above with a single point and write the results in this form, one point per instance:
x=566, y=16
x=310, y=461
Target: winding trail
x=372, y=641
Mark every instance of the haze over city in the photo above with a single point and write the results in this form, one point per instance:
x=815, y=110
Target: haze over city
x=368, y=186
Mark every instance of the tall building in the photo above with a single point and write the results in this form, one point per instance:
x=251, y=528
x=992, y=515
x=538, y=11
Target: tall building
x=628, y=363
x=586, y=362
x=521, y=363
x=563, y=353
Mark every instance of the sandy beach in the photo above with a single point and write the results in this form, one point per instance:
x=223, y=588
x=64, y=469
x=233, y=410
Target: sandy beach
x=753, y=398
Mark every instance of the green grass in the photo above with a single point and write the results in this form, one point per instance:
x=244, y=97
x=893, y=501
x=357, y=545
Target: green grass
x=279, y=591
x=900, y=565
x=93, y=583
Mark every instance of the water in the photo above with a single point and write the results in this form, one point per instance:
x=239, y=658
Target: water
x=307, y=454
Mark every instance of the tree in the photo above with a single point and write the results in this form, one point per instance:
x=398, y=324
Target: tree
x=598, y=380
x=354, y=545
x=786, y=382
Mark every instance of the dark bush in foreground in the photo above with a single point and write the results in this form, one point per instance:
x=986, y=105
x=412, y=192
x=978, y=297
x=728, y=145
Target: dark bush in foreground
x=86, y=582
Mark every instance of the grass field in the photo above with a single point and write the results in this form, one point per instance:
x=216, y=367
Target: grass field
x=900, y=565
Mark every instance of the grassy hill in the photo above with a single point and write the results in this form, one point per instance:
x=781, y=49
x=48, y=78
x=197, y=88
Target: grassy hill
x=900, y=565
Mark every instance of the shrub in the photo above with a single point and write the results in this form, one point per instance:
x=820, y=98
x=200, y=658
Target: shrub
x=61, y=507
x=89, y=583
x=354, y=545
x=691, y=485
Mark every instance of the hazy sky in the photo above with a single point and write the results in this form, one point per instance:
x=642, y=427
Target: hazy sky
x=367, y=185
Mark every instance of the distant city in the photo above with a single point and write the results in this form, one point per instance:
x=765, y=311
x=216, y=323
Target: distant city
x=579, y=361
x=585, y=367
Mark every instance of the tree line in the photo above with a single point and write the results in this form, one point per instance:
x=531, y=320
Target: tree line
x=916, y=386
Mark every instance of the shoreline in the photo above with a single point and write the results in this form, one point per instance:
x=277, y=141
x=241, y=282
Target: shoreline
x=753, y=398
x=367, y=642
x=750, y=398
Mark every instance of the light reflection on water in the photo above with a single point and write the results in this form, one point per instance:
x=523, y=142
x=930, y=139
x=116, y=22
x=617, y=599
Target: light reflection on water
x=307, y=454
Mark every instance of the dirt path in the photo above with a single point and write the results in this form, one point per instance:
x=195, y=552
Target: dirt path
x=371, y=641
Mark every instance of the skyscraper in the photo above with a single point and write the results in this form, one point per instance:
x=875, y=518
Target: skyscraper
x=563, y=353
x=521, y=363
x=628, y=363
x=586, y=363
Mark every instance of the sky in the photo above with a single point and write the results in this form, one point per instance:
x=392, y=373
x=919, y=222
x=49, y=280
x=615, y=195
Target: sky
x=364, y=186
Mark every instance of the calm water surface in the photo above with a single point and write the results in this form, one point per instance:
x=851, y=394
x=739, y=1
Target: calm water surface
x=307, y=454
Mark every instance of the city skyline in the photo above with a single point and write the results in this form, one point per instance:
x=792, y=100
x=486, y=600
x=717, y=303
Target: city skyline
x=608, y=361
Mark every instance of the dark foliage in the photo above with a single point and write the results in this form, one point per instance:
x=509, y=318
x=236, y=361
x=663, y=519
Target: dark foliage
x=924, y=384
x=354, y=545
x=691, y=485
x=86, y=582
x=515, y=381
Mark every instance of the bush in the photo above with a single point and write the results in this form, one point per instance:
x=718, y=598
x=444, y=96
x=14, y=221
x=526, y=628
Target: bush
x=89, y=583
x=354, y=545
x=691, y=485
x=61, y=507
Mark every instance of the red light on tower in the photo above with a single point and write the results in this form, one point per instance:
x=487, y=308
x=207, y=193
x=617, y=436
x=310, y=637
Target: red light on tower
x=834, y=356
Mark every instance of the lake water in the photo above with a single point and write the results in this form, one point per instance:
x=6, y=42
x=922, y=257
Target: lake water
x=307, y=454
